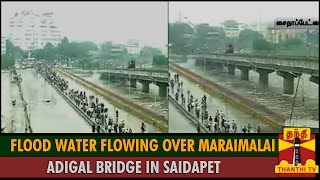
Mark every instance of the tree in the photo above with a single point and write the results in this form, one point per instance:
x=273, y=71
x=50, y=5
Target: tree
x=177, y=36
x=15, y=51
x=159, y=60
x=314, y=38
x=208, y=37
x=106, y=48
x=247, y=37
x=230, y=23
x=261, y=44
x=7, y=61
x=150, y=52
x=294, y=42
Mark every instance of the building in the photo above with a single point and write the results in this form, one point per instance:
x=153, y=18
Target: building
x=117, y=50
x=280, y=35
x=133, y=47
x=232, y=32
x=3, y=45
x=31, y=31
x=231, y=28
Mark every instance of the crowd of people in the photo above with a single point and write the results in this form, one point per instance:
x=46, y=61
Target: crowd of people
x=216, y=124
x=88, y=104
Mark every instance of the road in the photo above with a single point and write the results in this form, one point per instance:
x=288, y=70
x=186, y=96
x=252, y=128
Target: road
x=56, y=116
x=131, y=121
x=14, y=120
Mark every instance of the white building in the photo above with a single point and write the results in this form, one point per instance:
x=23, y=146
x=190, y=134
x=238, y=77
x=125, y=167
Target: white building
x=3, y=45
x=133, y=47
x=30, y=30
x=232, y=30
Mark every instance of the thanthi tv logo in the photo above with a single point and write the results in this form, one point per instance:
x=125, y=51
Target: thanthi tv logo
x=297, y=153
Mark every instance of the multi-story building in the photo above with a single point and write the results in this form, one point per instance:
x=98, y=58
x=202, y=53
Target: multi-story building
x=133, y=47
x=31, y=31
x=3, y=45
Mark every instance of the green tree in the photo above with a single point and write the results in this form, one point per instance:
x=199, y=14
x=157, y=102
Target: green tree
x=314, y=38
x=179, y=36
x=230, y=23
x=247, y=37
x=106, y=48
x=14, y=50
x=7, y=61
x=150, y=52
x=261, y=44
x=160, y=60
x=63, y=47
x=293, y=42
x=210, y=37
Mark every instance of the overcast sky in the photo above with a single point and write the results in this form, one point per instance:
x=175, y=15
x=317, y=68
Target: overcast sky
x=101, y=21
x=245, y=12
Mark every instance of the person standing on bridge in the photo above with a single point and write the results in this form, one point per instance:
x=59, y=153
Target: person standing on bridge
x=172, y=86
x=199, y=127
x=249, y=128
x=258, y=129
x=93, y=127
x=98, y=128
x=177, y=96
x=244, y=130
x=234, y=127
x=117, y=116
x=143, y=128
x=182, y=98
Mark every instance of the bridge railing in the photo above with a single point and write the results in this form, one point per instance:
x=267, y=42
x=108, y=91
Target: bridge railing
x=288, y=62
x=140, y=73
x=313, y=58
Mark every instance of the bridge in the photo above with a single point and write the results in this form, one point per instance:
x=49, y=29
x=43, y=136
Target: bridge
x=188, y=115
x=288, y=67
x=142, y=75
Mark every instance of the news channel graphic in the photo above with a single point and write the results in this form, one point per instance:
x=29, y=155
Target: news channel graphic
x=296, y=23
x=292, y=153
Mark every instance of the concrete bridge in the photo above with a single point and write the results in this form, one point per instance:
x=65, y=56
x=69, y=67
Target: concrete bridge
x=144, y=76
x=285, y=66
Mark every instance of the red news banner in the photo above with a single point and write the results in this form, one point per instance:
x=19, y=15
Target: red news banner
x=139, y=156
